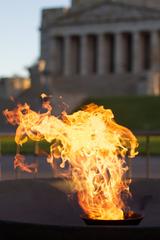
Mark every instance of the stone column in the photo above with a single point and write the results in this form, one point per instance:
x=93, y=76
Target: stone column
x=119, y=53
x=57, y=55
x=53, y=55
x=155, y=50
x=137, y=53
x=84, y=69
x=102, y=55
x=67, y=56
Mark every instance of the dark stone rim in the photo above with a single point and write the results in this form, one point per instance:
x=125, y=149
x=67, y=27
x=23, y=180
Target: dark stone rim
x=135, y=219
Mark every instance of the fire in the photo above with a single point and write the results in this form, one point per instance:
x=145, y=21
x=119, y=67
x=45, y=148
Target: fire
x=92, y=144
x=19, y=161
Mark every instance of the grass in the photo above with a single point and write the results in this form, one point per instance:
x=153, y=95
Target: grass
x=8, y=146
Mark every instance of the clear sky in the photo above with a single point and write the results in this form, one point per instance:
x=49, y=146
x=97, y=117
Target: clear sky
x=19, y=35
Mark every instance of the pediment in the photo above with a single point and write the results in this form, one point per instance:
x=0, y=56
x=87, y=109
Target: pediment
x=107, y=11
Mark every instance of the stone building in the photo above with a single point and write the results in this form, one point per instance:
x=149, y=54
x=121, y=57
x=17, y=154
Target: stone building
x=13, y=86
x=100, y=48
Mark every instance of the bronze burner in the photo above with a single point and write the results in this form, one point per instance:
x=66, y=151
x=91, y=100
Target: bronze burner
x=134, y=219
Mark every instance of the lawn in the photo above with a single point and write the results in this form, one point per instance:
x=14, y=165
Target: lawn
x=8, y=146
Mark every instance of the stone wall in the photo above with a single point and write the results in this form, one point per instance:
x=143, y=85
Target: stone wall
x=101, y=86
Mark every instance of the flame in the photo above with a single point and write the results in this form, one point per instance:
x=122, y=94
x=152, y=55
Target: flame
x=92, y=144
x=19, y=162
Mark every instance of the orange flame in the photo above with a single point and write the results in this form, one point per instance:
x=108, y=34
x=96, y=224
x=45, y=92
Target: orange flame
x=93, y=145
x=19, y=162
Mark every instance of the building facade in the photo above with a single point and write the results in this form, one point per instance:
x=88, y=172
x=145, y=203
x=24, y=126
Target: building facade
x=102, y=48
x=13, y=86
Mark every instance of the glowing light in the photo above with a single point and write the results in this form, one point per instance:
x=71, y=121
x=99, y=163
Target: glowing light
x=92, y=144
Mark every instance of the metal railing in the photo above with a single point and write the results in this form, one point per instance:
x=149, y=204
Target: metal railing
x=147, y=135
x=147, y=153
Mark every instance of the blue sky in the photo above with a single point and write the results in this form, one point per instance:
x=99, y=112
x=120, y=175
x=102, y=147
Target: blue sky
x=19, y=35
